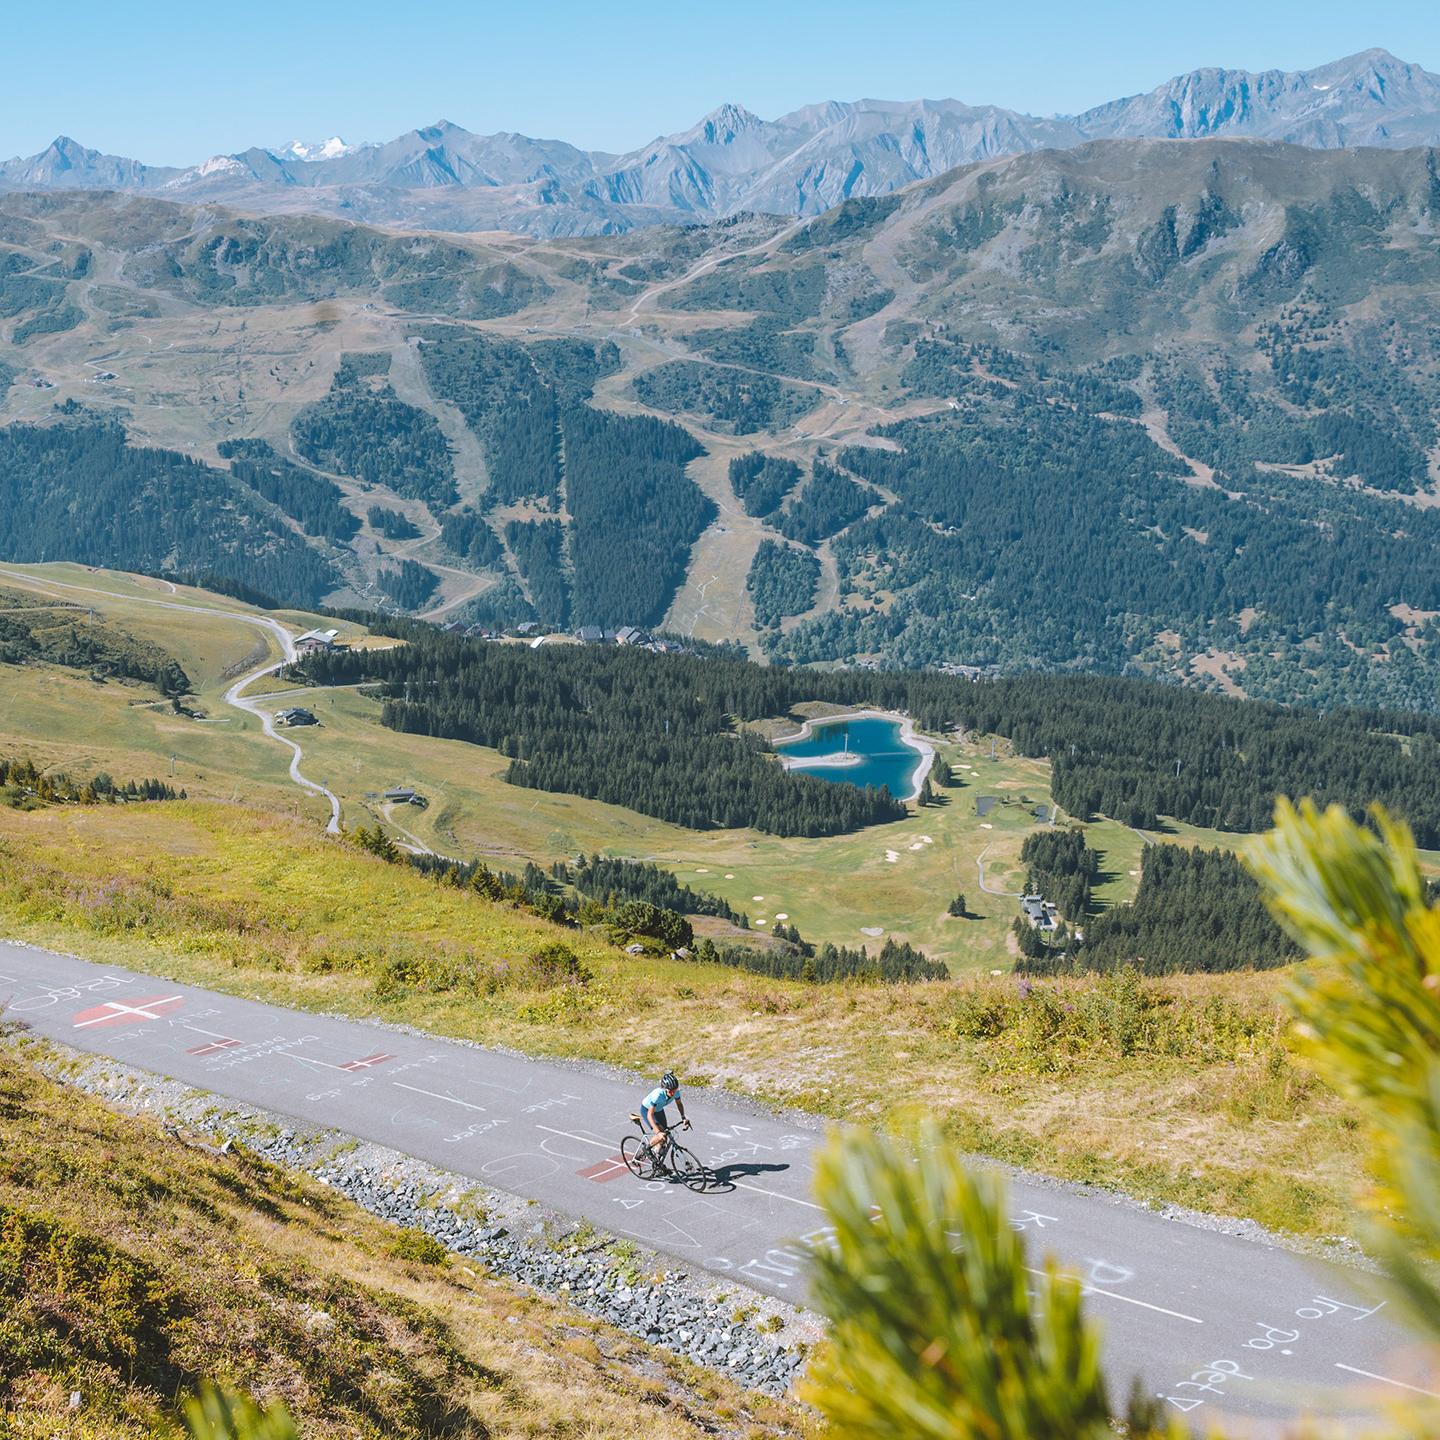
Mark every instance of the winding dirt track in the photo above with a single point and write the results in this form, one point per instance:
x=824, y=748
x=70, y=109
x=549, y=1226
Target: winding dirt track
x=232, y=697
x=984, y=885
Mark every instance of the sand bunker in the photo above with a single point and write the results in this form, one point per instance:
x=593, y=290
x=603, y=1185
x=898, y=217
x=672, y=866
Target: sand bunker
x=873, y=931
x=892, y=856
x=781, y=915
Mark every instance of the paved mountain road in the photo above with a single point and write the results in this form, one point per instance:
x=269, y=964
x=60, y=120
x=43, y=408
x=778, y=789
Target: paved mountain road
x=235, y=699
x=1222, y=1326
x=232, y=696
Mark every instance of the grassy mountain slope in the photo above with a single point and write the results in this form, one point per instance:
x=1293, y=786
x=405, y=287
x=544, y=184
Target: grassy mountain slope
x=1097, y=1080
x=898, y=878
x=62, y=717
x=247, y=897
x=136, y=1263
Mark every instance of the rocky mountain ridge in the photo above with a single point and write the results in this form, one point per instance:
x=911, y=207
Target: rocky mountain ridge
x=442, y=176
x=1148, y=403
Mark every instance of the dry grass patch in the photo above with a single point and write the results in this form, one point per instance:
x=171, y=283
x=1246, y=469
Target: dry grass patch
x=134, y=1264
x=1175, y=1089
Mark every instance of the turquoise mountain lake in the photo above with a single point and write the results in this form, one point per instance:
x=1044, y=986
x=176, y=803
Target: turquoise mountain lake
x=884, y=758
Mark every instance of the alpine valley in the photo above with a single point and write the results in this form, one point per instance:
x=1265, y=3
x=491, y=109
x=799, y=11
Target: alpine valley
x=813, y=611
x=1151, y=389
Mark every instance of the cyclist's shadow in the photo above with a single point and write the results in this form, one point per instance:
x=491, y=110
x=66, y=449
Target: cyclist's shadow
x=723, y=1177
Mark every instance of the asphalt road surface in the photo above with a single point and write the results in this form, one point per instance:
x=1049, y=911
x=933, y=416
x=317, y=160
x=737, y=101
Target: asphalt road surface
x=1219, y=1326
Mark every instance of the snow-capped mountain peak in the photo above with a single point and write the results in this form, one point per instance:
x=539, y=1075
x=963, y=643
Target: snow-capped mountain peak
x=330, y=149
x=219, y=165
x=215, y=166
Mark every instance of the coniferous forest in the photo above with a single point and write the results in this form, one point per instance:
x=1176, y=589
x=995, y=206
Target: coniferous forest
x=604, y=877
x=826, y=505
x=658, y=733
x=78, y=490
x=392, y=524
x=633, y=512
x=781, y=582
x=409, y=584
x=1195, y=910
x=539, y=550
x=315, y=502
x=465, y=535
x=762, y=481
x=1029, y=533
x=1062, y=869
x=362, y=428
x=600, y=725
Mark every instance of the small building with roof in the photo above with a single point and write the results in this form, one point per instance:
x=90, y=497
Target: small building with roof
x=313, y=640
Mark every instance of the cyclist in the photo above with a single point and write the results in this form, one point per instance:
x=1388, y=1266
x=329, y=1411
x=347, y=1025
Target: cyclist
x=652, y=1112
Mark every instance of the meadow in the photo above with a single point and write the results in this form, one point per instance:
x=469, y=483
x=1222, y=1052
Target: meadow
x=1175, y=1090
x=894, y=880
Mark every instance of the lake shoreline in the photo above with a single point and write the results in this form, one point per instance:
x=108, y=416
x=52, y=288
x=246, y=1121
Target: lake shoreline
x=908, y=736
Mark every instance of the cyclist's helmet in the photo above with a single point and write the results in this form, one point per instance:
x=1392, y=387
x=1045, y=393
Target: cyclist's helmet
x=669, y=1081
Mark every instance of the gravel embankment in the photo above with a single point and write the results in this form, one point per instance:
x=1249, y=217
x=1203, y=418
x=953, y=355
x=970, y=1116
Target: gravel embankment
x=759, y=1341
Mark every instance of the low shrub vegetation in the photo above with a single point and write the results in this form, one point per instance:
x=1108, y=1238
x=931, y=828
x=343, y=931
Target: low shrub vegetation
x=1104, y=1078
x=24, y=786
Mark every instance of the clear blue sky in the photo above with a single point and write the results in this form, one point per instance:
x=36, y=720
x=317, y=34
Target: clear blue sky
x=172, y=83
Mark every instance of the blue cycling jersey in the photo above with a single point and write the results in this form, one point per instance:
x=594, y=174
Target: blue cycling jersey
x=658, y=1098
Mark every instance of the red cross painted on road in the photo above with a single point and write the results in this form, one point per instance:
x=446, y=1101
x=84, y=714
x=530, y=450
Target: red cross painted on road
x=379, y=1058
x=117, y=1012
x=604, y=1170
x=213, y=1047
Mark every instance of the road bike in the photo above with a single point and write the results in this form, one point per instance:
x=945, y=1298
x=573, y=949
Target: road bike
x=672, y=1161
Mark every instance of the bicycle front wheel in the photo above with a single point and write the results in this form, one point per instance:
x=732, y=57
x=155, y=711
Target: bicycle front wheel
x=638, y=1156
x=688, y=1168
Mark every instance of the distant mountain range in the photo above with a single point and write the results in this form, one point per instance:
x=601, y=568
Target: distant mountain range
x=1136, y=404
x=444, y=177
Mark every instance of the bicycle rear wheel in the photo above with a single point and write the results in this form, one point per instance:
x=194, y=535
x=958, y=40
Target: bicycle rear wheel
x=689, y=1169
x=639, y=1158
